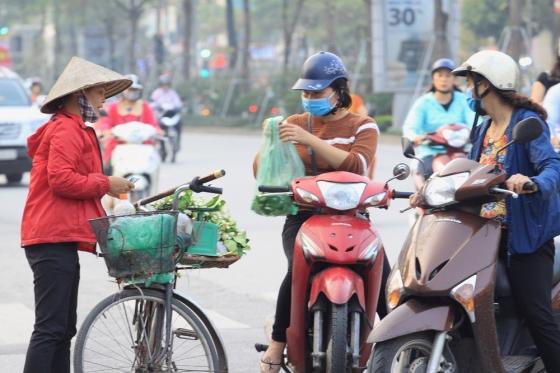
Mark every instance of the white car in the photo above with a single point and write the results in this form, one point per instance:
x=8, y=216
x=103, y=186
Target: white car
x=19, y=118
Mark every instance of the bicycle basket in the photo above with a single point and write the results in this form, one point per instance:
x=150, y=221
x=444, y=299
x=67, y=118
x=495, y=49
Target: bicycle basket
x=139, y=245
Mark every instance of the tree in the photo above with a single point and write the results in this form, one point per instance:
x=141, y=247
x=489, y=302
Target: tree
x=232, y=34
x=289, y=23
x=133, y=10
x=188, y=15
x=245, y=67
x=441, y=46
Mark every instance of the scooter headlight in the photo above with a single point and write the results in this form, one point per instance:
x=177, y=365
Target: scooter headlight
x=440, y=191
x=307, y=196
x=395, y=289
x=370, y=252
x=375, y=199
x=310, y=249
x=341, y=196
x=464, y=294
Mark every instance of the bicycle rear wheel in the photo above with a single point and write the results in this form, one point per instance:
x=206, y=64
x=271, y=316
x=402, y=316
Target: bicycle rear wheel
x=126, y=333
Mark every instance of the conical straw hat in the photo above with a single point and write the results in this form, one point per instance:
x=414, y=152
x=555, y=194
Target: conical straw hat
x=80, y=74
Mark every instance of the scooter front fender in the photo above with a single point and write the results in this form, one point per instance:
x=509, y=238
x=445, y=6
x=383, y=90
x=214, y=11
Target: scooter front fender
x=338, y=284
x=412, y=317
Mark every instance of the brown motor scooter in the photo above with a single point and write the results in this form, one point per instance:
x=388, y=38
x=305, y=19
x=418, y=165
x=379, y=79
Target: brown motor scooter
x=451, y=302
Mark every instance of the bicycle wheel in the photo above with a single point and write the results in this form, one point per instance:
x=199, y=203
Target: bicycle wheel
x=125, y=333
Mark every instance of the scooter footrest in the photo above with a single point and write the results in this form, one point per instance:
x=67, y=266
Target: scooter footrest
x=518, y=363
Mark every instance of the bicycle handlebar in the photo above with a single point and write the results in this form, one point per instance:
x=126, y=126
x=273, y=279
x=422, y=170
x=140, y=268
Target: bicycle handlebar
x=273, y=189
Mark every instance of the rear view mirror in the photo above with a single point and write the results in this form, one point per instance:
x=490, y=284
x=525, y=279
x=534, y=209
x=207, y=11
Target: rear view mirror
x=401, y=171
x=407, y=148
x=527, y=130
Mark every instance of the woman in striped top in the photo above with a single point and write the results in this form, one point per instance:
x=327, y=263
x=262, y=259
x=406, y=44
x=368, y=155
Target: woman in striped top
x=328, y=138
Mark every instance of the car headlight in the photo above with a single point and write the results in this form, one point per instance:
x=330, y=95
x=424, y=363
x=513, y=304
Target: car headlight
x=464, y=294
x=309, y=247
x=370, y=252
x=375, y=199
x=395, y=289
x=441, y=190
x=341, y=196
x=307, y=196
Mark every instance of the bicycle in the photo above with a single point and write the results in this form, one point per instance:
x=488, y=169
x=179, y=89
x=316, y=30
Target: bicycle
x=147, y=326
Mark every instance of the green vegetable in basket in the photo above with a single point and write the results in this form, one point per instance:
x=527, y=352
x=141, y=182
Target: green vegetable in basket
x=227, y=227
x=279, y=163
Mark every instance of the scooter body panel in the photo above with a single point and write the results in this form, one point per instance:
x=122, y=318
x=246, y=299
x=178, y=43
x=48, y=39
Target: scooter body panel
x=340, y=239
x=411, y=317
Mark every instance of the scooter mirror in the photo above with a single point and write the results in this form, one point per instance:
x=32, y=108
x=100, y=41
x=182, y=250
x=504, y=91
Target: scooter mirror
x=407, y=147
x=527, y=130
x=401, y=171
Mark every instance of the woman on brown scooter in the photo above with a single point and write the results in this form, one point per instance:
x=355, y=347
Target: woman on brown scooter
x=530, y=223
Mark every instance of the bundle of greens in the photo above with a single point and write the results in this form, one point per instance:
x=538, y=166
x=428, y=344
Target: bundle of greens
x=212, y=210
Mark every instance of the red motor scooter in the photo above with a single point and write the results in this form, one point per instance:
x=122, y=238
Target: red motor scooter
x=454, y=138
x=337, y=267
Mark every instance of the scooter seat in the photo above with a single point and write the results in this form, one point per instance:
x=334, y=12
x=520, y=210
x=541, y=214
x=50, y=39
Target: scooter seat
x=503, y=288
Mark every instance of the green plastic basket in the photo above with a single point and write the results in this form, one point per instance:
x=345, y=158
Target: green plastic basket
x=139, y=245
x=204, y=239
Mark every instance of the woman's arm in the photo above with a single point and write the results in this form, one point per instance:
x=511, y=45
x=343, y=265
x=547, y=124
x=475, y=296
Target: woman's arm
x=412, y=127
x=537, y=92
x=546, y=163
x=356, y=160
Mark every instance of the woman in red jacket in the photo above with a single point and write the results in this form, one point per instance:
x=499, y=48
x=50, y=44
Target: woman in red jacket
x=65, y=189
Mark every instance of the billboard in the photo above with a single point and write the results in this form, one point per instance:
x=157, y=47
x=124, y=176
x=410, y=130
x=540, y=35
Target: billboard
x=403, y=40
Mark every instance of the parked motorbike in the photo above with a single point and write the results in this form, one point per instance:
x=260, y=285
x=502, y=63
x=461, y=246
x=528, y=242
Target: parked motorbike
x=169, y=121
x=337, y=268
x=449, y=295
x=136, y=157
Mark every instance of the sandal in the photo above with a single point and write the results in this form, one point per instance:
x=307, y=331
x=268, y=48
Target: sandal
x=272, y=367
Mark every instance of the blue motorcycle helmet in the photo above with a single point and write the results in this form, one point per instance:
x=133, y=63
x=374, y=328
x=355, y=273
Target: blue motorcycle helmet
x=443, y=63
x=319, y=71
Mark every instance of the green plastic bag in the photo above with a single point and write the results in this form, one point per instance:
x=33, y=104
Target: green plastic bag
x=279, y=164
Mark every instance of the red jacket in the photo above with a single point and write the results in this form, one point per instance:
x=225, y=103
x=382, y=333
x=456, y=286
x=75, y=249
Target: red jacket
x=66, y=184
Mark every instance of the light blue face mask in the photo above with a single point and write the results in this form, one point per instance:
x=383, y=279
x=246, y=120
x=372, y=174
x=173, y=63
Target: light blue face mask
x=475, y=104
x=317, y=106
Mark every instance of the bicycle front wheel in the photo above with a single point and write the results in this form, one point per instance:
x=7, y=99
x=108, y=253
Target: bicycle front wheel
x=126, y=333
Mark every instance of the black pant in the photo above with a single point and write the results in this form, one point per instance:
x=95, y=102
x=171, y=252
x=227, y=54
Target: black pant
x=283, y=303
x=530, y=276
x=56, y=275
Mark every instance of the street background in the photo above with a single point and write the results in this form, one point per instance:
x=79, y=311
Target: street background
x=240, y=300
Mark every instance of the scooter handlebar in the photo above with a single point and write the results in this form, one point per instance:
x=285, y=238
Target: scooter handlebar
x=273, y=189
x=403, y=195
x=530, y=186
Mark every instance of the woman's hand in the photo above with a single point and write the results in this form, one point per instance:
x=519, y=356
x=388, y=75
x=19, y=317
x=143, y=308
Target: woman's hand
x=119, y=185
x=419, y=139
x=294, y=133
x=414, y=200
x=515, y=184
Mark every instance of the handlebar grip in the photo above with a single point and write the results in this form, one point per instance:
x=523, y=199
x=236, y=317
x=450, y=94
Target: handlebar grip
x=213, y=176
x=208, y=189
x=530, y=186
x=404, y=195
x=273, y=189
x=260, y=347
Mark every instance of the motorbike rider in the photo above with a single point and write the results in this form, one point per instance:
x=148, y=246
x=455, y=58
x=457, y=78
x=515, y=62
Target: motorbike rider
x=443, y=104
x=164, y=96
x=337, y=141
x=530, y=222
x=551, y=104
x=130, y=107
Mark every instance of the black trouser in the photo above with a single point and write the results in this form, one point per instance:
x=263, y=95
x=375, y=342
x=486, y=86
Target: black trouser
x=56, y=275
x=530, y=277
x=283, y=303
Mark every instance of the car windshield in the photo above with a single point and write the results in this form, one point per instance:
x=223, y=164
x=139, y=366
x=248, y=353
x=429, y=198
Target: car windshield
x=12, y=93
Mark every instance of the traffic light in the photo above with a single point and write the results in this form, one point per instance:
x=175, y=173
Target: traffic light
x=253, y=108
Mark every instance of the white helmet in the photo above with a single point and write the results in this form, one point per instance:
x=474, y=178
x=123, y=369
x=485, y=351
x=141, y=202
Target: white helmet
x=497, y=67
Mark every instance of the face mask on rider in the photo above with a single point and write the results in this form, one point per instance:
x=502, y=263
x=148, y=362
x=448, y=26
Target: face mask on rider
x=132, y=95
x=475, y=104
x=318, y=106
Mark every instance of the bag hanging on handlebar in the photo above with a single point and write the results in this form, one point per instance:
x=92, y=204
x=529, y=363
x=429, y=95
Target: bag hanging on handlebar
x=279, y=164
